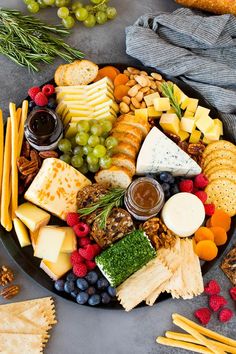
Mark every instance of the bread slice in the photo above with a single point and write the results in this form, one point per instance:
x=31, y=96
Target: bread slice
x=139, y=123
x=81, y=73
x=59, y=76
x=128, y=138
x=114, y=177
x=122, y=160
x=127, y=128
x=125, y=148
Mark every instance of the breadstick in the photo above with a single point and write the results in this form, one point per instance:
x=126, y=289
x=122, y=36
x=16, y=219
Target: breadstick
x=188, y=346
x=14, y=152
x=24, y=114
x=6, y=191
x=216, y=6
x=203, y=340
x=188, y=338
x=1, y=151
x=205, y=331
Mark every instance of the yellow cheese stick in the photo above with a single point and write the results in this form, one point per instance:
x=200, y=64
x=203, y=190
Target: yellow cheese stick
x=203, y=340
x=205, y=331
x=6, y=191
x=188, y=346
x=24, y=114
x=188, y=338
x=1, y=151
x=14, y=153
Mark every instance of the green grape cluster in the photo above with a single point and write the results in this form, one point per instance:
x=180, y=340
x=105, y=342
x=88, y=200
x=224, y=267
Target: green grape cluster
x=97, y=12
x=91, y=148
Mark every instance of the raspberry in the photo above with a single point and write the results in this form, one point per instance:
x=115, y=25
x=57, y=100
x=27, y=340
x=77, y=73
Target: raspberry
x=212, y=288
x=87, y=252
x=81, y=229
x=80, y=270
x=40, y=99
x=72, y=219
x=216, y=302
x=203, y=315
x=90, y=265
x=232, y=292
x=186, y=186
x=202, y=196
x=209, y=209
x=48, y=90
x=201, y=181
x=225, y=315
x=84, y=241
x=97, y=249
x=76, y=258
x=32, y=92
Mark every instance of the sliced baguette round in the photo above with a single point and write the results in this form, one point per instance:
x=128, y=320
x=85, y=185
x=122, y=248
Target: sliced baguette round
x=126, y=128
x=122, y=160
x=128, y=138
x=59, y=76
x=81, y=73
x=114, y=177
x=125, y=148
x=140, y=123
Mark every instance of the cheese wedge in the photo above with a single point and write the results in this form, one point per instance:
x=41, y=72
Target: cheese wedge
x=21, y=233
x=70, y=244
x=55, y=187
x=32, y=216
x=49, y=243
x=159, y=153
x=59, y=268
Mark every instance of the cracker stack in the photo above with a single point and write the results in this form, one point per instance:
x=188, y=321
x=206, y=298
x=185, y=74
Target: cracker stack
x=24, y=326
x=219, y=166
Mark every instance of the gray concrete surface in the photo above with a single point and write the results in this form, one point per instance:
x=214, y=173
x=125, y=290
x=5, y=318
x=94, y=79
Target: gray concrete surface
x=83, y=330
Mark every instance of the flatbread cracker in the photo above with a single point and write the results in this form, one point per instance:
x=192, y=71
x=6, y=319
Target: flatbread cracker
x=218, y=154
x=15, y=343
x=228, y=173
x=222, y=192
x=11, y=323
x=218, y=145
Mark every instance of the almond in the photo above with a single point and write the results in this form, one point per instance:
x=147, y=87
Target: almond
x=126, y=100
x=134, y=90
x=124, y=108
x=139, y=96
x=135, y=102
x=126, y=72
x=131, y=83
x=153, y=86
x=143, y=73
x=133, y=70
x=156, y=76
x=132, y=107
x=143, y=105
x=141, y=80
x=144, y=89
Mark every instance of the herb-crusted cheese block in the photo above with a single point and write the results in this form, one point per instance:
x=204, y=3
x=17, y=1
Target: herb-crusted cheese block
x=125, y=257
x=55, y=187
x=159, y=153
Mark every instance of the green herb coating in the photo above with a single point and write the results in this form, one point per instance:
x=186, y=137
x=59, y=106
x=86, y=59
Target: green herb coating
x=125, y=257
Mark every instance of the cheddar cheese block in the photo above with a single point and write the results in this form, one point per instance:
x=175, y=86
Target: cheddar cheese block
x=55, y=187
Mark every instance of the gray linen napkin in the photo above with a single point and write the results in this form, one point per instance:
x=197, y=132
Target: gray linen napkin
x=198, y=49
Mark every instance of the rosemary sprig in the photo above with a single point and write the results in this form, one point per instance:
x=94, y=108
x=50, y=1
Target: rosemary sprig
x=113, y=199
x=167, y=90
x=28, y=41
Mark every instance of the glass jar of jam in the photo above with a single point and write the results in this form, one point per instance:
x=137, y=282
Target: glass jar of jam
x=43, y=129
x=144, y=198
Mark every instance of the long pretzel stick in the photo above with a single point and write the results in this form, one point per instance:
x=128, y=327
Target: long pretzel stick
x=24, y=113
x=203, y=340
x=188, y=338
x=1, y=151
x=14, y=152
x=205, y=331
x=184, y=345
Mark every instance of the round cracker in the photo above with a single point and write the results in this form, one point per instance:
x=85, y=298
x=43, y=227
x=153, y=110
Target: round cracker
x=219, y=145
x=222, y=193
x=223, y=173
x=219, y=162
x=219, y=154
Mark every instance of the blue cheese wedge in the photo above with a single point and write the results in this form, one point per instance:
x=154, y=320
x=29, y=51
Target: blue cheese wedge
x=159, y=153
x=55, y=187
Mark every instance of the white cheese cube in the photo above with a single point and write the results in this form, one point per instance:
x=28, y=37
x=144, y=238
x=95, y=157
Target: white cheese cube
x=149, y=98
x=161, y=104
x=187, y=124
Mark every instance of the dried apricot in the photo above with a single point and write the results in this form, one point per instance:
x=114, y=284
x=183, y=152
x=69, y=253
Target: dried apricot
x=206, y=250
x=220, y=235
x=121, y=79
x=203, y=233
x=120, y=91
x=222, y=219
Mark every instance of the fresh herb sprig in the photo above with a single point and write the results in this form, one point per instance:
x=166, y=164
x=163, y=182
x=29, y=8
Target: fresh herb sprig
x=112, y=199
x=167, y=89
x=28, y=41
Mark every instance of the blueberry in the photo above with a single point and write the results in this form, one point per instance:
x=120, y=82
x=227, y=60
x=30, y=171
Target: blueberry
x=165, y=187
x=111, y=291
x=82, y=284
x=69, y=286
x=94, y=300
x=166, y=177
x=91, y=290
x=71, y=277
x=92, y=277
x=52, y=103
x=167, y=195
x=174, y=189
x=105, y=298
x=59, y=285
x=32, y=104
x=102, y=283
x=82, y=298
x=74, y=293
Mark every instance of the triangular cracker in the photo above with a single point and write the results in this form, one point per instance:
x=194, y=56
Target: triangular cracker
x=15, y=343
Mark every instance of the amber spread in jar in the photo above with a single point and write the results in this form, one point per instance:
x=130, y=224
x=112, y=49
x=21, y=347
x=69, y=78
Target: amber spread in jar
x=145, y=195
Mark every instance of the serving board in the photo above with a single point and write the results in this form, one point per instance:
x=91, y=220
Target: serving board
x=30, y=264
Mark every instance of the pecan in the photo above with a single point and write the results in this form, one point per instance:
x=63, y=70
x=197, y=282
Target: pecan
x=25, y=150
x=30, y=178
x=196, y=149
x=183, y=145
x=173, y=137
x=6, y=276
x=10, y=291
x=27, y=169
x=47, y=154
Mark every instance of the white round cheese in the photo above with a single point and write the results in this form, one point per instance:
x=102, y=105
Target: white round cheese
x=183, y=214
